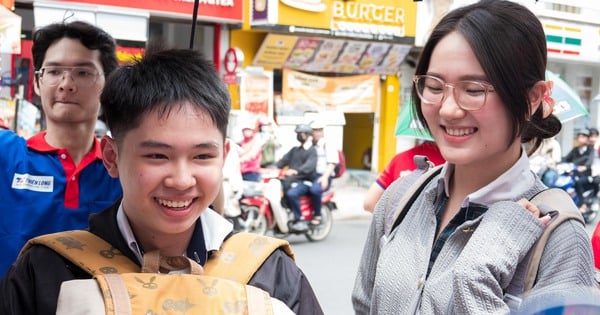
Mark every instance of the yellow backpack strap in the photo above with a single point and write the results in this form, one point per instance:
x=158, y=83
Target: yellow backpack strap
x=565, y=209
x=86, y=250
x=242, y=254
x=148, y=293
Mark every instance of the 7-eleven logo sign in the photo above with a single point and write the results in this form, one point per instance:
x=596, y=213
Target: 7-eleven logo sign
x=563, y=40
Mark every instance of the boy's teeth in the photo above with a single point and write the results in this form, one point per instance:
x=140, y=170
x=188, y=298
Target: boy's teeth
x=174, y=204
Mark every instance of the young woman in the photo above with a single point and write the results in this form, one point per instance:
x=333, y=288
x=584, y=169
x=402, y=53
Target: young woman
x=479, y=89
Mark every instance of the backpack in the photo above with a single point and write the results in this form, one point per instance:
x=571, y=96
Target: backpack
x=561, y=201
x=268, y=153
x=120, y=287
x=340, y=168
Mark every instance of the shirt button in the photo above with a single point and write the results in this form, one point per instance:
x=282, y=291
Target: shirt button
x=63, y=156
x=421, y=282
x=73, y=178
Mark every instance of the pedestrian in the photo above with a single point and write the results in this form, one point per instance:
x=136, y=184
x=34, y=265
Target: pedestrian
x=168, y=116
x=479, y=90
x=250, y=151
x=298, y=170
x=582, y=156
x=55, y=179
x=327, y=159
x=400, y=165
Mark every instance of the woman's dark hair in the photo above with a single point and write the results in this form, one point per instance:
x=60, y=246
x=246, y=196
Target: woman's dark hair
x=509, y=43
x=90, y=36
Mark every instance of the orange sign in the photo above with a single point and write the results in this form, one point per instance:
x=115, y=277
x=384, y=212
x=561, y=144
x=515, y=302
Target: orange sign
x=303, y=92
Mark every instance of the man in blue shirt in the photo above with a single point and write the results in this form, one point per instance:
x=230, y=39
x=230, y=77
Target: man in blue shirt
x=54, y=180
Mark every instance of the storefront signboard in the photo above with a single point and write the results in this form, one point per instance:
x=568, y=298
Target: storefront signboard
x=230, y=10
x=361, y=19
x=572, y=41
x=303, y=92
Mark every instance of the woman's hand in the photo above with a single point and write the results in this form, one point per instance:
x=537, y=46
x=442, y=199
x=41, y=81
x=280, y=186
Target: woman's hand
x=534, y=210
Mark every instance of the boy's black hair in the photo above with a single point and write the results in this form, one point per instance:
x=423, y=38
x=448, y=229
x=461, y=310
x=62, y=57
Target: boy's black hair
x=90, y=36
x=162, y=81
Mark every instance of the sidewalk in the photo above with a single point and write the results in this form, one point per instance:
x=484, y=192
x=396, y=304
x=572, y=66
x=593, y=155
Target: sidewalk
x=350, y=191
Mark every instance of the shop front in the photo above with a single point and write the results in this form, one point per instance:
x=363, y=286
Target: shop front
x=335, y=60
x=132, y=23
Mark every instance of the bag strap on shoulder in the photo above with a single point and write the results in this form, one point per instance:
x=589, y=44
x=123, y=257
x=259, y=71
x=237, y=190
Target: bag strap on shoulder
x=242, y=254
x=564, y=210
x=427, y=171
x=239, y=258
x=88, y=251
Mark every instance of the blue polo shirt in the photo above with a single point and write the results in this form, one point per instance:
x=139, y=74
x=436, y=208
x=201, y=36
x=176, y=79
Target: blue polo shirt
x=43, y=191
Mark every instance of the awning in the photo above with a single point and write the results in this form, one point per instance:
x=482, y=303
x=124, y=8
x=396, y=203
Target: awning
x=120, y=23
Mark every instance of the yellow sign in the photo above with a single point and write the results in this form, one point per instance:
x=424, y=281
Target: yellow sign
x=380, y=17
x=274, y=51
x=367, y=19
x=309, y=93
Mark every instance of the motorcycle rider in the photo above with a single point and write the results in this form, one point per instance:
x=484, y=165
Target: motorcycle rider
x=327, y=159
x=583, y=157
x=299, y=168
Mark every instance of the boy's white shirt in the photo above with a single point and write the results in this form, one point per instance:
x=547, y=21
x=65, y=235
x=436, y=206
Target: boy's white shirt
x=215, y=229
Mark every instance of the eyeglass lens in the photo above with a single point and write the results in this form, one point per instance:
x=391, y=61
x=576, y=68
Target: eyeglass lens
x=470, y=95
x=82, y=76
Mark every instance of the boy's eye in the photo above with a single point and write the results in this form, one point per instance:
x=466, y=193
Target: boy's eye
x=155, y=156
x=205, y=156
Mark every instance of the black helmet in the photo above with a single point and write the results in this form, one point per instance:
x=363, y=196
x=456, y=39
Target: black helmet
x=303, y=128
x=583, y=131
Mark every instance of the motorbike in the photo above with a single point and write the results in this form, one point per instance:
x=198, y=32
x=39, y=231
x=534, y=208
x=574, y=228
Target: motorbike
x=263, y=209
x=566, y=180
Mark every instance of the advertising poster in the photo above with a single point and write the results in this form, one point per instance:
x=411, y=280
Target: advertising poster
x=327, y=52
x=303, y=93
x=274, y=51
x=303, y=52
x=257, y=94
x=347, y=61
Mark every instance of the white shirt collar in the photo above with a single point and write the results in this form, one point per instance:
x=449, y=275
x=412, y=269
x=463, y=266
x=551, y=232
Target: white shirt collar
x=514, y=182
x=214, y=227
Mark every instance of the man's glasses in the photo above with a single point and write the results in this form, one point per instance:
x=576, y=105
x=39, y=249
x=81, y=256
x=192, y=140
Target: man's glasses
x=469, y=95
x=82, y=76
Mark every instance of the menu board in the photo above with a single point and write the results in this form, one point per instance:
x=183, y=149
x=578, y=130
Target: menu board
x=302, y=53
x=312, y=54
x=347, y=60
x=323, y=59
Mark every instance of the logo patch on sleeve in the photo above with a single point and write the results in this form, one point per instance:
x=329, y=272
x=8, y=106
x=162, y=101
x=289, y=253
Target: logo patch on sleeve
x=33, y=182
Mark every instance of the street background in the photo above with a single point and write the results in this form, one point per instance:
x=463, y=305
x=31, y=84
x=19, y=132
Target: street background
x=331, y=264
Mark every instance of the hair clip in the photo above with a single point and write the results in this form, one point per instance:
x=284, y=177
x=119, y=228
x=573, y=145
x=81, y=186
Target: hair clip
x=548, y=102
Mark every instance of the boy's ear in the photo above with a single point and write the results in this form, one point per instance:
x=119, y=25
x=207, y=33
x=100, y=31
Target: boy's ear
x=536, y=95
x=226, y=148
x=110, y=155
x=36, y=86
